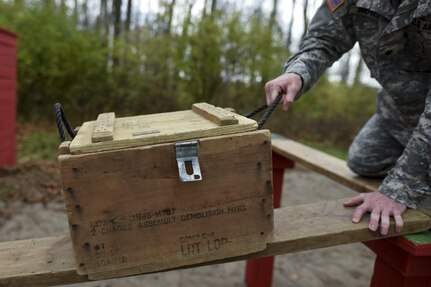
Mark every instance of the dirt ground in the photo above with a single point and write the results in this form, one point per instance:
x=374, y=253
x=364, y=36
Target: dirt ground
x=31, y=206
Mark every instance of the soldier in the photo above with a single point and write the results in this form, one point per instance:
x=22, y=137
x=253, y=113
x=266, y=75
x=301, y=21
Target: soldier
x=395, y=40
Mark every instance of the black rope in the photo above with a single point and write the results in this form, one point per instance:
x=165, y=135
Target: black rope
x=60, y=120
x=256, y=111
x=267, y=113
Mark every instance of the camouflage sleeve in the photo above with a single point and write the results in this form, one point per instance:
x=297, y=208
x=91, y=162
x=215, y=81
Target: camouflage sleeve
x=329, y=36
x=409, y=181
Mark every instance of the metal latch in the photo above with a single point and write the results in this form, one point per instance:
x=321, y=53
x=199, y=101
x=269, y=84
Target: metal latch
x=188, y=161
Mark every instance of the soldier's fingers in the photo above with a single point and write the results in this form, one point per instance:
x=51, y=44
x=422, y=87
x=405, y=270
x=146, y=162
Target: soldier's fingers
x=385, y=222
x=399, y=223
x=272, y=89
x=289, y=98
x=374, y=219
x=275, y=93
x=354, y=201
x=359, y=212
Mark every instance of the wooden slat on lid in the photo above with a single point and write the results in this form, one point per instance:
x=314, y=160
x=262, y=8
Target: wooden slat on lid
x=157, y=128
x=103, y=128
x=217, y=115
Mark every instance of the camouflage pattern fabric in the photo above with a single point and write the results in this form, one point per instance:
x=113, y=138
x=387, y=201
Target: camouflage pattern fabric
x=395, y=42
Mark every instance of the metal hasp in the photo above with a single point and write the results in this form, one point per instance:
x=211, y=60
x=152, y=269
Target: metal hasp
x=187, y=159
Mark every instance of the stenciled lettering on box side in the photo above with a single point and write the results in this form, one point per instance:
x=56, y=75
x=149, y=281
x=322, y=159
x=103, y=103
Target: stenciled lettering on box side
x=101, y=250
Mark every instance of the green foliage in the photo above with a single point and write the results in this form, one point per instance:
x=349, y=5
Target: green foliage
x=56, y=61
x=39, y=145
x=223, y=57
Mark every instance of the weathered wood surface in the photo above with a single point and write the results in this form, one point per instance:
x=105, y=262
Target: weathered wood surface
x=128, y=208
x=324, y=164
x=103, y=128
x=49, y=261
x=219, y=116
x=64, y=148
x=156, y=128
x=38, y=262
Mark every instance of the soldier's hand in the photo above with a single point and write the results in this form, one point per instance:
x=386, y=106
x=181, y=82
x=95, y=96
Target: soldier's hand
x=381, y=208
x=288, y=85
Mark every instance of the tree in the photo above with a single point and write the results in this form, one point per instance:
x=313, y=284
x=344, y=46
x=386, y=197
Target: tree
x=358, y=71
x=290, y=27
x=305, y=17
x=345, y=67
x=116, y=11
x=128, y=16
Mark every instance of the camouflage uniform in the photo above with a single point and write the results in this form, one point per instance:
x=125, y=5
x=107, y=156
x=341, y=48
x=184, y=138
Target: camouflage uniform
x=395, y=41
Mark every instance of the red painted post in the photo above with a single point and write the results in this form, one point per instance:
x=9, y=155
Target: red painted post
x=400, y=263
x=258, y=272
x=8, y=76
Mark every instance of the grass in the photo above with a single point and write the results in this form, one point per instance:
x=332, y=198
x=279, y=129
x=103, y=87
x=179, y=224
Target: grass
x=38, y=144
x=6, y=191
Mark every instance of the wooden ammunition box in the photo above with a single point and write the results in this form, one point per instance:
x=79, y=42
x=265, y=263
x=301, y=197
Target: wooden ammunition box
x=155, y=192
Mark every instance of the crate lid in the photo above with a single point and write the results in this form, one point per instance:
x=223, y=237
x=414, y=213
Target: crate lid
x=203, y=120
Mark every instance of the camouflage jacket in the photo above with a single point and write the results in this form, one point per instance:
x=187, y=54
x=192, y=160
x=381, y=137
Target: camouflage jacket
x=396, y=47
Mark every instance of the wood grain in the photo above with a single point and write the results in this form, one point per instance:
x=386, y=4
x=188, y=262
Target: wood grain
x=49, y=261
x=103, y=128
x=64, y=148
x=128, y=208
x=219, y=116
x=156, y=128
x=324, y=164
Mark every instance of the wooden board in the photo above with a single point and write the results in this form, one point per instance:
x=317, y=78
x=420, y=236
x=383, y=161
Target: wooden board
x=49, y=261
x=103, y=128
x=324, y=164
x=128, y=208
x=219, y=116
x=155, y=129
x=38, y=262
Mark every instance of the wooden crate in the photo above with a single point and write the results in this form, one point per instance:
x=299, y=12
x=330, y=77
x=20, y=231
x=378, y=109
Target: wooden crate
x=128, y=210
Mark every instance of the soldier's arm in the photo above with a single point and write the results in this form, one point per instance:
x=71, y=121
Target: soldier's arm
x=329, y=36
x=406, y=185
x=409, y=181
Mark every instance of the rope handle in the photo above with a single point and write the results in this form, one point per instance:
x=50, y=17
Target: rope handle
x=268, y=112
x=60, y=120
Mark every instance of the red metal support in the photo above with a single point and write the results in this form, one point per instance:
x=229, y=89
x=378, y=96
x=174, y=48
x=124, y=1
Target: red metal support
x=258, y=272
x=400, y=263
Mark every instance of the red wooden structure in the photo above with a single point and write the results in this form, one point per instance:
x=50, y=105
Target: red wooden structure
x=8, y=102
x=259, y=271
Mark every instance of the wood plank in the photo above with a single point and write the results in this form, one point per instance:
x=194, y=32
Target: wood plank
x=64, y=148
x=324, y=164
x=49, y=261
x=38, y=262
x=103, y=128
x=219, y=116
x=154, y=129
